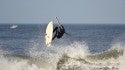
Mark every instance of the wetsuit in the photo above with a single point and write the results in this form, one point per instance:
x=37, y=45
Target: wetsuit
x=59, y=32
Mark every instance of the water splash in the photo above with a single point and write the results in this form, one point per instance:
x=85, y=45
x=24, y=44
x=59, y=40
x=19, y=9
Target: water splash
x=75, y=56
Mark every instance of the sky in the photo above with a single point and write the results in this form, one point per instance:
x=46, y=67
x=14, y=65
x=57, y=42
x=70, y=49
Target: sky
x=68, y=11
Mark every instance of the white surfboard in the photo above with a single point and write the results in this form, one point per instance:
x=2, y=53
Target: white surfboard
x=49, y=34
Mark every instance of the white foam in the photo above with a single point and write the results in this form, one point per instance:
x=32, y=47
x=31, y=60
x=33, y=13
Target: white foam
x=77, y=50
x=14, y=64
x=122, y=61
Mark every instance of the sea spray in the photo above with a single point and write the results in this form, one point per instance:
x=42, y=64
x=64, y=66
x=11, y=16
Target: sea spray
x=77, y=50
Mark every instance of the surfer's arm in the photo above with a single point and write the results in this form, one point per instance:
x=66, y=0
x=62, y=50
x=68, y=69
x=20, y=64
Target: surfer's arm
x=61, y=27
x=67, y=34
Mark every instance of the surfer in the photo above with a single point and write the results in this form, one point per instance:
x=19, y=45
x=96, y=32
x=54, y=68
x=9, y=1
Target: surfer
x=59, y=32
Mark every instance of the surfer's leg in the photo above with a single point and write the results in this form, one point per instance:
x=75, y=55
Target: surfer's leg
x=55, y=35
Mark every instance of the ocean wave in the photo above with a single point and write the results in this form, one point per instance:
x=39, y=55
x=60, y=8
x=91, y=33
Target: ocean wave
x=111, y=53
x=75, y=56
x=112, y=59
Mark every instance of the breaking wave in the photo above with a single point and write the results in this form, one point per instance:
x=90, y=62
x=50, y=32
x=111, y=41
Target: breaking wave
x=75, y=56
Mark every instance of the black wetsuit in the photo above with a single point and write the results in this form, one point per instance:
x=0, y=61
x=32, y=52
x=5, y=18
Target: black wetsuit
x=59, y=32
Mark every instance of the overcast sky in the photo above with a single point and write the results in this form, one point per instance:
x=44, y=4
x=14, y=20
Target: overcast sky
x=68, y=11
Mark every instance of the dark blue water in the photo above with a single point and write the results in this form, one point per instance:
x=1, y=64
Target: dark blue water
x=98, y=37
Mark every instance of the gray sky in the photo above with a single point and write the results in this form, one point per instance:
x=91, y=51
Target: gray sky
x=68, y=11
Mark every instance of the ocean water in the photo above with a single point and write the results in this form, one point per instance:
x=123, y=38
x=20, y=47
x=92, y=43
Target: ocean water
x=90, y=47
